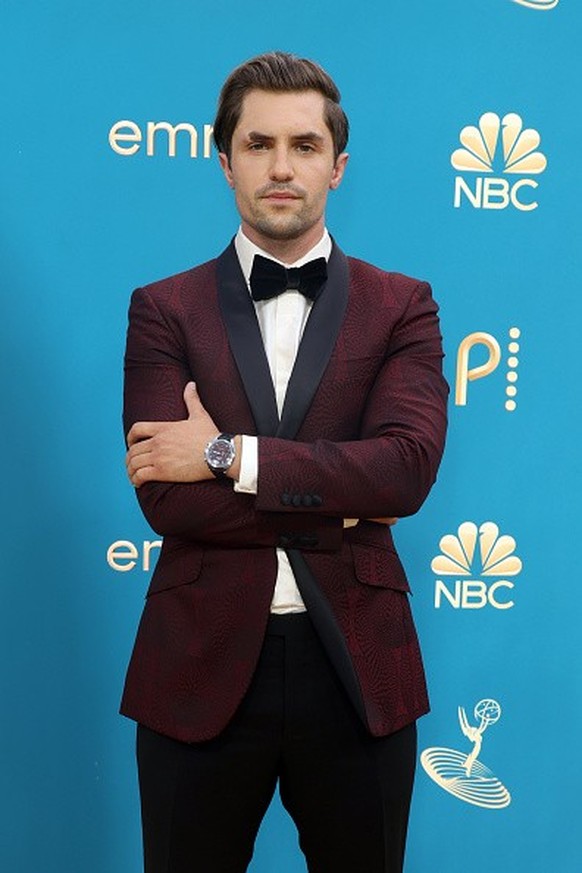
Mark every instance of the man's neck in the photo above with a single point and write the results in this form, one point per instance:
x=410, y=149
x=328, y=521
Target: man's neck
x=288, y=251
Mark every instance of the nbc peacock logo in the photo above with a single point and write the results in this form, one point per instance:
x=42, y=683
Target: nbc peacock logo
x=479, y=560
x=463, y=774
x=538, y=4
x=498, y=146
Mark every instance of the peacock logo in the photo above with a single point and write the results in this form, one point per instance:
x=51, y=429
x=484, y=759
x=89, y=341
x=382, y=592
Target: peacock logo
x=480, y=559
x=497, y=146
x=480, y=144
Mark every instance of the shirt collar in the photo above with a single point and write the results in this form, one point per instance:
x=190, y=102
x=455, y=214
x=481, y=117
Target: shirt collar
x=246, y=251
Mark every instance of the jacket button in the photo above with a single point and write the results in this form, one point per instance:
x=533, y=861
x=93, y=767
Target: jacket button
x=296, y=500
x=285, y=499
x=316, y=500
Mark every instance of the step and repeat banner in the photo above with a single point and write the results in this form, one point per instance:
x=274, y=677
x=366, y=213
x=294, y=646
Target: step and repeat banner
x=464, y=170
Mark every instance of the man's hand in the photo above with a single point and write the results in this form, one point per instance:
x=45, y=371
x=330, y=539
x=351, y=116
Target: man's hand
x=352, y=522
x=171, y=451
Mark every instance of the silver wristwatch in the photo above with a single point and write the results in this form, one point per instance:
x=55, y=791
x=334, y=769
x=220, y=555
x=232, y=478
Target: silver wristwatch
x=220, y=453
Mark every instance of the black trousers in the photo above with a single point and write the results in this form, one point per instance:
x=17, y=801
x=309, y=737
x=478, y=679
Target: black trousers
x=347, y=792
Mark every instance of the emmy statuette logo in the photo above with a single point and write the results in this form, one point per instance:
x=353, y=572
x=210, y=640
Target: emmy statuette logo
x=498, y=145
x=538, y=4
x=479, y=561
x=465, y=373
x=464, y=775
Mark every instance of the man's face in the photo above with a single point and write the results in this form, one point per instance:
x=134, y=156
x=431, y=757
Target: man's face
x=282, y=166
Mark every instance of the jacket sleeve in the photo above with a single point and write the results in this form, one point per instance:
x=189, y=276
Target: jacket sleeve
x=208, y=512
x=390, y=469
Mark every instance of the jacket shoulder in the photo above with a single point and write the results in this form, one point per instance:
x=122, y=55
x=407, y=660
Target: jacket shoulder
x=196, y=277
x=362, y=271
x=372, y=284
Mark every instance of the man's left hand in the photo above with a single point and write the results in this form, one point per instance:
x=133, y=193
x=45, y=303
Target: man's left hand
x=171, y=451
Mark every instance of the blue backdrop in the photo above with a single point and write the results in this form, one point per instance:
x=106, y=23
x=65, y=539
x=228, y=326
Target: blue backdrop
x=444, y=183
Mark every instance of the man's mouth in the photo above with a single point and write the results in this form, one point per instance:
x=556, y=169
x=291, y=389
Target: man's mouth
x=277, y=195
x=280, y=195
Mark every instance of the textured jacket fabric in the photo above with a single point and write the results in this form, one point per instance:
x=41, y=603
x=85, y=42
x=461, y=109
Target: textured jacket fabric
x=360, y=436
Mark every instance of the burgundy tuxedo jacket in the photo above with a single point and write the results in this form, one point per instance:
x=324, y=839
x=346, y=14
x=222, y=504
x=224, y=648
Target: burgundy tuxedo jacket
x=360, y=436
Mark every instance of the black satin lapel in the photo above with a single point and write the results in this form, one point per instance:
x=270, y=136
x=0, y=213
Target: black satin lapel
x=327, y=629
x=246, y=343
x=319, y=336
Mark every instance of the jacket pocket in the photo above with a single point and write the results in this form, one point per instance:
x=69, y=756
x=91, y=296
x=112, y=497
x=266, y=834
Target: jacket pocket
x=175, y=569
x=380, y=567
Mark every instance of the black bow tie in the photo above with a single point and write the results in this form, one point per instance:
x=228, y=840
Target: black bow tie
x=269, y=279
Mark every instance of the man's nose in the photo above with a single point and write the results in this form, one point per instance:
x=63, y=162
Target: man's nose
x=281, y=166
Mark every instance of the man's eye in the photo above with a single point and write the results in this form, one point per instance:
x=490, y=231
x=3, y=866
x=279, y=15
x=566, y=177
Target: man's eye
x=257, y=146
x=305, y=147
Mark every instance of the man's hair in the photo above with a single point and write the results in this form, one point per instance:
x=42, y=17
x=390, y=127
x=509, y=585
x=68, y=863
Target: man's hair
x=278, y=72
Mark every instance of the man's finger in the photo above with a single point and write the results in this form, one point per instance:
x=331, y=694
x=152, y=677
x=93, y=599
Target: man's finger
x=384, y=520
x=144, y=474
x=139, y=448
x=139, y=467
x=142, y=430
x=135, y=459
x=192, y=400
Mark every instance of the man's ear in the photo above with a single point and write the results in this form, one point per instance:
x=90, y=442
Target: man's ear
x=338, y=170
x=225, y=164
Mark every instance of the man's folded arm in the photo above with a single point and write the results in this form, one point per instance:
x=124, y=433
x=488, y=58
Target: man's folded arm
x=387, y=471
x=390, y=469
x=209, y=512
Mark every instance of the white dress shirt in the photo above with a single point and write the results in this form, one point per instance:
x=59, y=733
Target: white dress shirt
x=282, y=321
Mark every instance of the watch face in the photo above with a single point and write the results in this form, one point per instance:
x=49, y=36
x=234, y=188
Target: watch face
x=220, y=454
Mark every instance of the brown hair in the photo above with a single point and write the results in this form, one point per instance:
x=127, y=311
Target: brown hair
x=278, y=71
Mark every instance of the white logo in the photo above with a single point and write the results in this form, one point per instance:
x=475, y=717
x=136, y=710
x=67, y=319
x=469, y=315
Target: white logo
x=126, y=137
x=538, y=4
x=459, y=558
x=466, y=373
x=124, y=555
x=480, y=154
x=463, y=775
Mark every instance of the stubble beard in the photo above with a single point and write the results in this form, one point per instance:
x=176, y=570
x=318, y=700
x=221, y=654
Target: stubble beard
x=283, y=227
x=281, y=223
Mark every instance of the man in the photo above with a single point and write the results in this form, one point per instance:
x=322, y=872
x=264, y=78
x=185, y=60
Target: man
x=281, y=404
